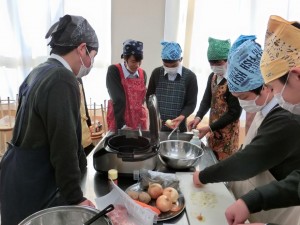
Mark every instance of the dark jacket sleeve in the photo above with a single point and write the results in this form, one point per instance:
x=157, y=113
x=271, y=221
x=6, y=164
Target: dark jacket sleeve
x=117, y=94
x=153, y=82
x=62, y=119
x=206, y=99
x=190, y=100
x=274, y=148
x=233, y=113
x=277, y=194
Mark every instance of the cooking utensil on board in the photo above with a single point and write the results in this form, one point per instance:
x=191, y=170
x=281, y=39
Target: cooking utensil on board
x=101, y=213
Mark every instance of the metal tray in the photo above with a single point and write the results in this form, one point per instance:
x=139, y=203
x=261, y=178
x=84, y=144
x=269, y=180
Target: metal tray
x=164, y=215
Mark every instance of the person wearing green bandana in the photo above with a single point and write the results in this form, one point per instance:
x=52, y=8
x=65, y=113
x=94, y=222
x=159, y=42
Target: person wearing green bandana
x=225, y=110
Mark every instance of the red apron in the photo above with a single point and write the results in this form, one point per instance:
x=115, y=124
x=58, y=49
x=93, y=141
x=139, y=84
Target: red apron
x=135, y=112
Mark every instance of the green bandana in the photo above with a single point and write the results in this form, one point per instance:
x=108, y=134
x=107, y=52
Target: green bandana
x=217, y=49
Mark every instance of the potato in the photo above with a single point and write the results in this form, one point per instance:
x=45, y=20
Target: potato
x=144, y=197
x=133, y=194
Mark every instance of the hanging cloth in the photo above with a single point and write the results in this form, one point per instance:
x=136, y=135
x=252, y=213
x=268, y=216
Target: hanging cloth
x=136, y=114
x=223, y=142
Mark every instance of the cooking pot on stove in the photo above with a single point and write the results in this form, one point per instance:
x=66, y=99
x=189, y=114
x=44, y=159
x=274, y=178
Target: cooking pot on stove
x=126, y=154
x=130, y=152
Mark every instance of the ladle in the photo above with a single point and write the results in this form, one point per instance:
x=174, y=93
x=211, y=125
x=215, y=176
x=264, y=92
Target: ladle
x=101, y=213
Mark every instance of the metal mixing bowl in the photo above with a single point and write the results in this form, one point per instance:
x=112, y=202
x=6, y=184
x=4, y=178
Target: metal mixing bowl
x=179, y=154
x=62, y=215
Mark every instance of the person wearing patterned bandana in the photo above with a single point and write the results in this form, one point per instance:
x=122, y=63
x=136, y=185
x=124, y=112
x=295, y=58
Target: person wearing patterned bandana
x=126, y=85
x=175, y=87
x=45, y=161
x=225, y=110
x=280, y=67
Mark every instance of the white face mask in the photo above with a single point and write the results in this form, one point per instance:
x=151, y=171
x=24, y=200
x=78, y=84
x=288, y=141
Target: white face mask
x=219, y=70
x=251, y=106
x=171, y=70
x=293, y=108
x=83, y=71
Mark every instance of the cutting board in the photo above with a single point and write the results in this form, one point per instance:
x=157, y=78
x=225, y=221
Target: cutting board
x=205, y=205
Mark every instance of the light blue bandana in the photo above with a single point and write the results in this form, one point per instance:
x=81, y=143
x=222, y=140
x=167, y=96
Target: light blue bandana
x=243, y=69
x=170, y=50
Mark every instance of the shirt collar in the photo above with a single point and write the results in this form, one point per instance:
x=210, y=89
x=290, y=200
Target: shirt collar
x=269, y=106
x=127, y=73
x=62, y=60
x=179, y=70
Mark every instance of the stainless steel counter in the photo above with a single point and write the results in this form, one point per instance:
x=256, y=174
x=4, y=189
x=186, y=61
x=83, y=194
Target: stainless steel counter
x=95, y=184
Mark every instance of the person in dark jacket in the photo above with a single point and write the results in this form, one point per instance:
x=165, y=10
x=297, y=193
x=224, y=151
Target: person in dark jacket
x=45, y=161
x=280, y=67
x=175, y=87
x=225, y=110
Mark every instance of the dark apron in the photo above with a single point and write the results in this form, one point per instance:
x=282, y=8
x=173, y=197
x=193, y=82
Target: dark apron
x=27, y=181
x=170, y=97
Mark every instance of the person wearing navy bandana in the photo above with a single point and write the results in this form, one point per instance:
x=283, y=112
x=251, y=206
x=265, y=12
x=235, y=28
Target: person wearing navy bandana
x=45, y=161
x=175, y=87
x=126, y=85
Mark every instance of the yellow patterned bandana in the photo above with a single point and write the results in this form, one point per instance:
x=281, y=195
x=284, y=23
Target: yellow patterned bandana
x=282, y=48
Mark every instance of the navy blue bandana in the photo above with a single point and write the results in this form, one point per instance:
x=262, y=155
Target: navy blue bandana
x=132, y=47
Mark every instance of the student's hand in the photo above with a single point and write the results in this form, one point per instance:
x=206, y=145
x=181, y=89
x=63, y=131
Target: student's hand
x=203, y=131
x=177, y=121
x=237, y=213
x=87, y=203
x=193, y=124
x=196, y=180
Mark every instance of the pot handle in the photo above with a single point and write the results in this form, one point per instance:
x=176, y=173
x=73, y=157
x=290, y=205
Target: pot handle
x=130, y=157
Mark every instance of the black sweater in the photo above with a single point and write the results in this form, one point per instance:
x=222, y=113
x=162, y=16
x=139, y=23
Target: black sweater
x=52, y=119
x=274, y=148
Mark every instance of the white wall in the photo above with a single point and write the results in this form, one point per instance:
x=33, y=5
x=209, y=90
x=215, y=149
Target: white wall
x=141, y=20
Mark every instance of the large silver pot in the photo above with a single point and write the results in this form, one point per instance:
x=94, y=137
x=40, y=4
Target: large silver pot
x=65, y=215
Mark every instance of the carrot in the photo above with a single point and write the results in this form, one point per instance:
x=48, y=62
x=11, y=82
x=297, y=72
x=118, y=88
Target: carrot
x=153, y=208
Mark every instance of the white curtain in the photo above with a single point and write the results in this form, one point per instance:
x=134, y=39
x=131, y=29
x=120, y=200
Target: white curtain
x=200, y=19
x=24, y=25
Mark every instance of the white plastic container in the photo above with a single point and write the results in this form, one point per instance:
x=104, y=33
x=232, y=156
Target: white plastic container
x=195, y=139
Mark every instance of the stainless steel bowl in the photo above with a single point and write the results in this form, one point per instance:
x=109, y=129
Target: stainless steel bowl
x=62, y=215
x=179, y=154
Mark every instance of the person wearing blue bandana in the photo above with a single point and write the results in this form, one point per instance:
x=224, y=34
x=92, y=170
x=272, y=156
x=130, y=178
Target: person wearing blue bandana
x=267, y=154
x=175, y=87
x=223, y=129
x=126, y=85
x=280, y=67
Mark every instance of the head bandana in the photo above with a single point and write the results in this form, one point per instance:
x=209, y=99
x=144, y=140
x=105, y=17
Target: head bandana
x=170, y=50
x=241, y=39
x=282, y=48
x=72, y=31
x=217, y=49
x=132, y=47
x=243, y=71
